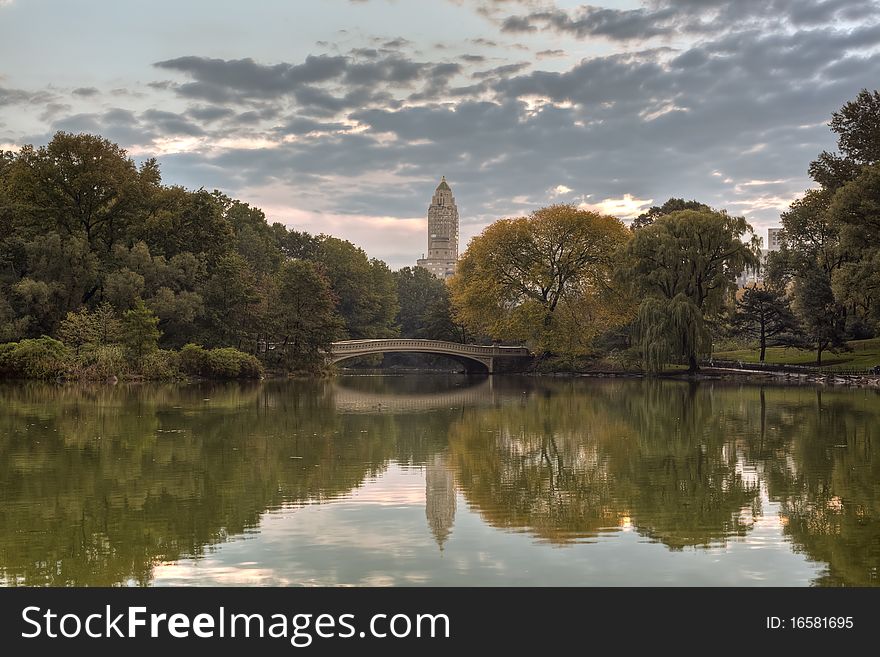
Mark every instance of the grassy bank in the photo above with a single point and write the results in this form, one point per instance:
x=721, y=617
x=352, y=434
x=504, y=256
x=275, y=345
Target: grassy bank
x=865, y=354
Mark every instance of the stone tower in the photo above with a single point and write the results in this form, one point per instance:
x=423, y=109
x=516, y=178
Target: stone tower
x=442, y=233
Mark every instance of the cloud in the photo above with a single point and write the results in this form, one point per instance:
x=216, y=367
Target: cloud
x=21, y=97
x=743, y=90
x=627, y=207
x=674, y=18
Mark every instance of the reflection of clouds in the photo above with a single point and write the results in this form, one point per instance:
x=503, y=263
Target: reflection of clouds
x=213, y=572
x=357, y=541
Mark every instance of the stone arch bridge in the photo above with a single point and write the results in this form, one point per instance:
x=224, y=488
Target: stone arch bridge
x=475, y=358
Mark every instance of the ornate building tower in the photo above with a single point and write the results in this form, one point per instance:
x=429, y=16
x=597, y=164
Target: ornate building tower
x=442, y=233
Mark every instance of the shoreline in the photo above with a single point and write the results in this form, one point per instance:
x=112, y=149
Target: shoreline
x=782, y=377
x=779, y=377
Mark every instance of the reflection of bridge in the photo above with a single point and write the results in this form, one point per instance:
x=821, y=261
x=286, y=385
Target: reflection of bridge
x=474, y=357
x=350, y=400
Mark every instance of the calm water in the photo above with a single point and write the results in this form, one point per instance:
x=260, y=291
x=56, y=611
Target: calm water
x=421, y=480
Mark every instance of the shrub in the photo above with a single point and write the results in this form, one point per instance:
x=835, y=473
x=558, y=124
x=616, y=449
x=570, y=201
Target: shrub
x=225, y=363
x=161, y=365
x=6, y=350
x=99, y=363
x=193, y=359
x=40, y=358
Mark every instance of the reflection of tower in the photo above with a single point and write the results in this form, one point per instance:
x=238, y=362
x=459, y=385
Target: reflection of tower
x=439, y=498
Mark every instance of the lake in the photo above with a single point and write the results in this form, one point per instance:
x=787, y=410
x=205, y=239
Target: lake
x=439, y=480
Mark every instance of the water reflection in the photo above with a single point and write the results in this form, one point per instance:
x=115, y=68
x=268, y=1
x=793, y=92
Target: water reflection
x=99, y=485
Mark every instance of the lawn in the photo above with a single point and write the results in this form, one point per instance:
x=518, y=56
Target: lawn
x=865, y=354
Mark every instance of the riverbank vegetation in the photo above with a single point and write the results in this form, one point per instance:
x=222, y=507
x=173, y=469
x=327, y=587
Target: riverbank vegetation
x=105, y=271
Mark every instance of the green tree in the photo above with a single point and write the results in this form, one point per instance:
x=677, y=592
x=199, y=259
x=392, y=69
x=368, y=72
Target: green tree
x=672, y=205
x=80, y=185
x=855, y=209
x=820, y=314
x=811, y=257
x=365, y=289
x=77, y=330
x=305, y=322
x=857, y=125
x=232, y=297
x=545, y=279
x=417, y=290
x=764, y=314
x=140, y=332
x=684, y=266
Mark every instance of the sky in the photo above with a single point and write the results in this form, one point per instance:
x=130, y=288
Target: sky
x=340, y=116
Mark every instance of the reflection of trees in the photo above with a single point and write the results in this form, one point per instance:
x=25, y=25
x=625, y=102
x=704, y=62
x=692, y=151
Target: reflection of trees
x=682, y=482
x=825, y=475
x=98, y=484
x=583, y=458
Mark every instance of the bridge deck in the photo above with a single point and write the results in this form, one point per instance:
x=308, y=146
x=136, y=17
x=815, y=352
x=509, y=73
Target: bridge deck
x=485, y=356
x=430, y=346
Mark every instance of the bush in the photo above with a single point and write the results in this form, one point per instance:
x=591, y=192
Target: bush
x=6, y=350
x=99, y=363
x=225, y=363
x=40, y=358
x=193, y=359
x=161, y=365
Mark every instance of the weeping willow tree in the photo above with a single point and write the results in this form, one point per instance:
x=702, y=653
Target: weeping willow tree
x=668, y=329
x=684, y=267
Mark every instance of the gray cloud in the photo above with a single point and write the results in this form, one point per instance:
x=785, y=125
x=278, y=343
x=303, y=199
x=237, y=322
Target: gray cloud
x=733, y=118
x=21, y=97
x=314, y=83
x=666, y=18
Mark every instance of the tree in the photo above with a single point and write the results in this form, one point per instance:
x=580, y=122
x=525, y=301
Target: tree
x=855, y=210
x=545, y=279
x=231, y=297
x=417, y=291
x=810, y=259
x=684, y=266
x=140, y=333
x=857, y=125
x=365, y=289
x=80, y=185
x=820, y=314
x=77, y=330
x=764, y=314
x=672, y=205
x=90, y=327
x=305, y=322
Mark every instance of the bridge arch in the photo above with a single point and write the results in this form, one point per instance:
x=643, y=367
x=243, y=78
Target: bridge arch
x=473, y=357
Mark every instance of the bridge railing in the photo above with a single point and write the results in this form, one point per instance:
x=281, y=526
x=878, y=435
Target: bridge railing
x=455, y=347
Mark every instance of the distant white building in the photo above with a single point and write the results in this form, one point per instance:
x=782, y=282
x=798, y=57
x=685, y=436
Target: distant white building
x=755, y=276
x=774, y=239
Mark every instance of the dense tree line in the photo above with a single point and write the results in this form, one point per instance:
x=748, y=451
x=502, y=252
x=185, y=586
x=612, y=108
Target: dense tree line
x=98, y=252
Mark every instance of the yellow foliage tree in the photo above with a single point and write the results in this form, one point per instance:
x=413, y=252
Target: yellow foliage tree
x=545, y=280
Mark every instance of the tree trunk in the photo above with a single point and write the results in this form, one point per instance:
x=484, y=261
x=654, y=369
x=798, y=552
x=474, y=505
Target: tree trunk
x=819, y=355
x=693, y=366
x=763, y=339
